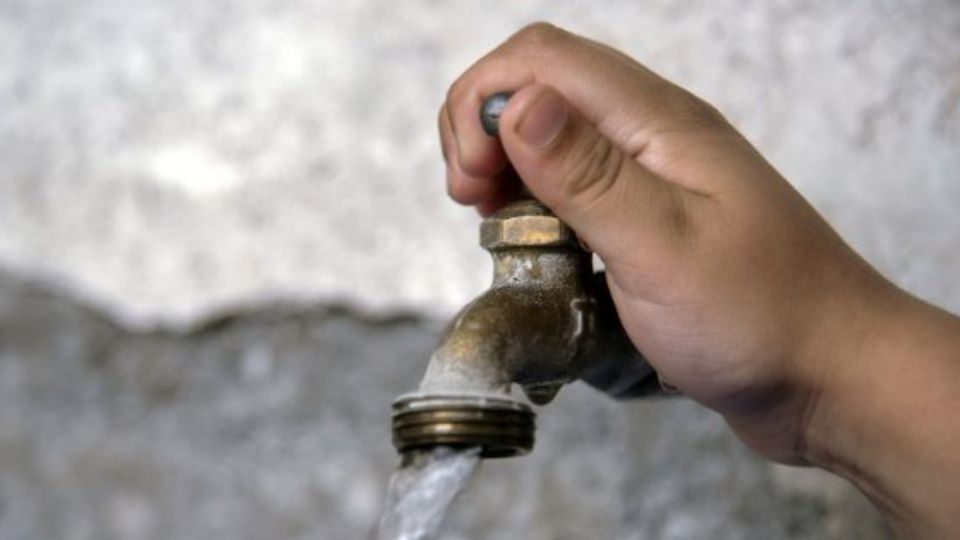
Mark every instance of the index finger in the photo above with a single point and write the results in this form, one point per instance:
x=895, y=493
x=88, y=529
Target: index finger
x=624, y=100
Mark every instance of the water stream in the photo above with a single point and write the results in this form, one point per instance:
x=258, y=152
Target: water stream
x=422, y=490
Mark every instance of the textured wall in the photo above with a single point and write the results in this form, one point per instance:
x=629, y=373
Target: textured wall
x=166, y=160
x=272, y=425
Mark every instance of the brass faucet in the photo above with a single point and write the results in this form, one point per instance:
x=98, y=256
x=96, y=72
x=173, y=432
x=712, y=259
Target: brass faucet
x=546, y=320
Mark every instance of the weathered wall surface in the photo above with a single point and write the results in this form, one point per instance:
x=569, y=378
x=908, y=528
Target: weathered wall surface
x=168, y=160
x=272, y=425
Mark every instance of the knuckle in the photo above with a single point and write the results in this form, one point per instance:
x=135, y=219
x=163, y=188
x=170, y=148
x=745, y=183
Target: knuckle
x=692, y=111
x=538, y=35
x=530, y=41
x=456, y=192
x=458, y=91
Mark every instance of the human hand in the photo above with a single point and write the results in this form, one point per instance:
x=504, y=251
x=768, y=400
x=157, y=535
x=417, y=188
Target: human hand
x=722, y=274
x=733, y=287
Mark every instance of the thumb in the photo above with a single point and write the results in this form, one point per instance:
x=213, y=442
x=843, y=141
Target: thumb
x=619, y=207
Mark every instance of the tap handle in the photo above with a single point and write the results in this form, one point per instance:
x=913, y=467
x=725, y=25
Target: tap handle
x=490, y=112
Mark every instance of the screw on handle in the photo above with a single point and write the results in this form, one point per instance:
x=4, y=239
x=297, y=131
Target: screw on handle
x=490, y=112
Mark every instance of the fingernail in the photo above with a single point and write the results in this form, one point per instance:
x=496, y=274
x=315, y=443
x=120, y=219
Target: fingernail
x=544, y=120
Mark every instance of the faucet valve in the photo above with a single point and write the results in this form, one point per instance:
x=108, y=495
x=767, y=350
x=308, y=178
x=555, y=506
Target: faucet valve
x=490, y=112
x=525, y=223
x=545, y=321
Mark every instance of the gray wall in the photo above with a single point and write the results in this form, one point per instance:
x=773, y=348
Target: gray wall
x=273, y=425
x=167, y=163
x=169, y=158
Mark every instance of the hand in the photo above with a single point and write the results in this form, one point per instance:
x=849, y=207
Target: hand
x=732, y=286
x=722, y=274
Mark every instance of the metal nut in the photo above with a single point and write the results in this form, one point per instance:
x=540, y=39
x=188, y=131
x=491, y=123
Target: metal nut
x=524, y=224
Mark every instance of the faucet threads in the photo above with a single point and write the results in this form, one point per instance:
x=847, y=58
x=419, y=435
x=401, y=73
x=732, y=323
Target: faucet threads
x=499, y=426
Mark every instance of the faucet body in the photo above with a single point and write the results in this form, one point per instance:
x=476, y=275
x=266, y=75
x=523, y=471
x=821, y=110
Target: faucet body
x=546, y=320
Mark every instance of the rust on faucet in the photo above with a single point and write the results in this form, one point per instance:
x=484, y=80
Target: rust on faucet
x=546, y=320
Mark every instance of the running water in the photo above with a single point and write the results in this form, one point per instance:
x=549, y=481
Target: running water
x=422, y=490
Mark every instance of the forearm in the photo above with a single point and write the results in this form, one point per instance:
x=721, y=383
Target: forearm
x=887, y=416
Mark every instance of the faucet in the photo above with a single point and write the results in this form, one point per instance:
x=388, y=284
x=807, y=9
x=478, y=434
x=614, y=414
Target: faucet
x=546, y=320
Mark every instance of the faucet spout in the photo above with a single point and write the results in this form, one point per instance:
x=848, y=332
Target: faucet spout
x=545, y=321
x=529, y=327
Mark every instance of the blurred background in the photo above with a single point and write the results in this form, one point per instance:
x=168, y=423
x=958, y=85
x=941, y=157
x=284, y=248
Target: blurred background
x=225, y=247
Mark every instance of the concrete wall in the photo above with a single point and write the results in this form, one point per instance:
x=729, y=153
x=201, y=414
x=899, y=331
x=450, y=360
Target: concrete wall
x=169, y=158
x=273, y=425
x=167, y=161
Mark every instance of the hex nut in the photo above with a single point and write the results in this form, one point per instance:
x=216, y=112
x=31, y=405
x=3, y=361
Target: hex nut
x=524, y=224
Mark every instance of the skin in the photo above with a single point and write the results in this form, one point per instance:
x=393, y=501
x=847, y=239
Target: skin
x=736, y=290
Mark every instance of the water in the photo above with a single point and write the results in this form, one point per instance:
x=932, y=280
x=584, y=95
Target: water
x=422, y=490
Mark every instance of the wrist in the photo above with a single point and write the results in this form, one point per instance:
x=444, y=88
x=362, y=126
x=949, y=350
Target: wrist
x=885, y=388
